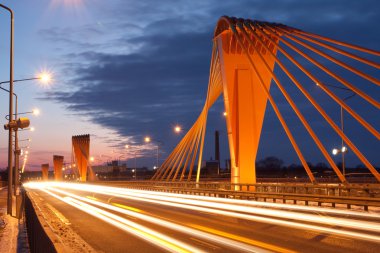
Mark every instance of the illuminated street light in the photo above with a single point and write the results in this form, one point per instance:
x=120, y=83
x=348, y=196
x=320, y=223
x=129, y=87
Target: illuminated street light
x=225, y=114
x=336, y=151
x=92, y=159
x=147, y=140
x=36, y=111
x=177, y=129
x=128, y=147
x=343, y=149
x=45, y=77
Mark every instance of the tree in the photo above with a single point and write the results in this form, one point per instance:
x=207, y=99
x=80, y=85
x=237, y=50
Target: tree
x=270, y=162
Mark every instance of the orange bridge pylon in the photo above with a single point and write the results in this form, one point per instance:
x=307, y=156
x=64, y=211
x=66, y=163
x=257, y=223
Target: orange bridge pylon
x=58, y=165
x=45, y=171
x=81, y=148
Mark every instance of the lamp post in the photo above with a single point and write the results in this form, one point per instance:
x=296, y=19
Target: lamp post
x=343, y=149
x=135, y=155
x=17, y=150
x=147, y=139
x=10, y=146
x=43, y=77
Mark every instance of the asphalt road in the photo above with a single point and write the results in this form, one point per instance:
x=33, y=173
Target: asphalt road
x=196, y=227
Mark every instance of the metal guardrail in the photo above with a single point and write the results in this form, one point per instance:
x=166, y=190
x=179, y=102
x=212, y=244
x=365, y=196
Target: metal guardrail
x=39, y=241
x=358, y=195
x=342, y=190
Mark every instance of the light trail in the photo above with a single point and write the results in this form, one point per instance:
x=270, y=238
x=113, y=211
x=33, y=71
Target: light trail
x=264, y=204
x=375, y=227
x=292, y=224
x=149, y=235
x=361, y=225
x=184, y=229
x=220, y=200
x=230, y=210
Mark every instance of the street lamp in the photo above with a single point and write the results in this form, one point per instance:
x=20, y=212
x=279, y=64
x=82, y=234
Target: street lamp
x=343, y=149
x=16, y=141
x=177, y=129
x=147, y=139
x=44, y=78
x=135, y=154
x=134, y=171
x=10, y=144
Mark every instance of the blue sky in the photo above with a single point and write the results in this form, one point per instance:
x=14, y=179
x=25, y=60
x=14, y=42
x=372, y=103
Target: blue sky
x=125, y=69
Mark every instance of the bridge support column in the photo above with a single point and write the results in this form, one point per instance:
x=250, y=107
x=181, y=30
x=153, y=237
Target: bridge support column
x=58, y=164
x=45, y=171
x=81, y=147
x=245, y=104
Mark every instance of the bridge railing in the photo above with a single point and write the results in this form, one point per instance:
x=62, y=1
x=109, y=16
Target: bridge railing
x=339, y=190
x=347, y=195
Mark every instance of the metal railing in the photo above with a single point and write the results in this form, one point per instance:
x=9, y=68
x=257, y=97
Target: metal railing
x=351, y=190
x=348, y=195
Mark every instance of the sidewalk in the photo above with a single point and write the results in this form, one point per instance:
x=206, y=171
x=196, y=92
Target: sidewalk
x=13, y=236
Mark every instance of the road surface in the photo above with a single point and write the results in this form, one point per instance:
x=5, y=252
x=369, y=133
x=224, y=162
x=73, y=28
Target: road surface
x=114, y=219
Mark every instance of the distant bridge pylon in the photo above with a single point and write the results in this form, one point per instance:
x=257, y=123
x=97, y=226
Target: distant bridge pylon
x=245, y=54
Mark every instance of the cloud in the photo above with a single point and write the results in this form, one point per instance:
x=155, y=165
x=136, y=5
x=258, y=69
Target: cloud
x=146, y=68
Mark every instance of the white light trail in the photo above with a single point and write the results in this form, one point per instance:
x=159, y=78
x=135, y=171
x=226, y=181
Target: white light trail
x=375, y=227
x=236, y=210
x=174, y=226
x=149, y=235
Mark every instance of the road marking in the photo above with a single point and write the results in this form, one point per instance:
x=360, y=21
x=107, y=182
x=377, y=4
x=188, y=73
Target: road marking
x=91, y=197
x=242, y=239
x=58, y=214
x=128, y=208
x=212, y=246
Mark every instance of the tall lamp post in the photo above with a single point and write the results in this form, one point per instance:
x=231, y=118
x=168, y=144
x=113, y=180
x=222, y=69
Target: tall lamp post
x=45, y=78
x=135, y=156
x=10, y=146
x=147, y=139
x=343, y=148
x=17, y=150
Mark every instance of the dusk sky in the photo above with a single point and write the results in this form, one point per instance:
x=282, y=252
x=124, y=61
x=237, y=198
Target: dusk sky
x=127, y=69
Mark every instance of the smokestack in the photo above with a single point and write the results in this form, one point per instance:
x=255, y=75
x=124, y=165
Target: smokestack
x=217, y=152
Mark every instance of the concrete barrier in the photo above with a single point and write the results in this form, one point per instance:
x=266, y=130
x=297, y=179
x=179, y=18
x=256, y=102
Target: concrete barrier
x=40, y=236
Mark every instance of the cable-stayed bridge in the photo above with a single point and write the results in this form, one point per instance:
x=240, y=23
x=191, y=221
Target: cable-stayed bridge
x=245, y=55
x=172, y=213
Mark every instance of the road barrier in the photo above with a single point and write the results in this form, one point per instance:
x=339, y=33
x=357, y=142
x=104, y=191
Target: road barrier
x=333, y=194
x=39, y=235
